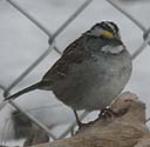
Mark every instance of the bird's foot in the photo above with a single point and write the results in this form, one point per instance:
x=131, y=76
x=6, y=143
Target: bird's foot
x=107, y=113
x=81, y=126
x=79, y=123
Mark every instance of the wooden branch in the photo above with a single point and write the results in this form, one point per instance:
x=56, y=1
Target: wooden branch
x=126, y=129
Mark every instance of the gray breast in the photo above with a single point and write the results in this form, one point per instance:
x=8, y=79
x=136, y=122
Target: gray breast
x=94, y=83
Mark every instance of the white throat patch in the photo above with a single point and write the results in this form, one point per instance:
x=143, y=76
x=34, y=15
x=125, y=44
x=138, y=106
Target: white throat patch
x=112, y=49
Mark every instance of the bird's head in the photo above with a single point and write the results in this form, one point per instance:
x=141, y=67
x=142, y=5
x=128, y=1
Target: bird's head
x=106, y=30
x=106, y=35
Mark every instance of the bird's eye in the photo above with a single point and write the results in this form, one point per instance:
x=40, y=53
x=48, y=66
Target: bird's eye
x=111, y=27
x=115, y=28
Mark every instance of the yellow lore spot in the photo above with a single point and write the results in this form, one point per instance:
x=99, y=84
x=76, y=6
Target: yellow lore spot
x=107, y=34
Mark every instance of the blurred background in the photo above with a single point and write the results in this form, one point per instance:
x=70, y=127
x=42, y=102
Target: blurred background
x=25, y=28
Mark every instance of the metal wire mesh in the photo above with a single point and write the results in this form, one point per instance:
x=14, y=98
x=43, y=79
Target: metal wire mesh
x=53, y=46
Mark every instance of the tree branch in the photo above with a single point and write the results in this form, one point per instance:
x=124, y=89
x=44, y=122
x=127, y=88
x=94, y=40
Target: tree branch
x=126, y=129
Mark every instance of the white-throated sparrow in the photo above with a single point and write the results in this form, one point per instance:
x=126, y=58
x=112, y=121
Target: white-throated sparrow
x=92, y=71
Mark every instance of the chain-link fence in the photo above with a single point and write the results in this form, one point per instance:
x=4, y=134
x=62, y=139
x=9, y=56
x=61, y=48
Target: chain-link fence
x=53, y=46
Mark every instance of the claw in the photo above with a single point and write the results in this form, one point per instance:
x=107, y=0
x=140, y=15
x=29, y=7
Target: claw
x=107, y=113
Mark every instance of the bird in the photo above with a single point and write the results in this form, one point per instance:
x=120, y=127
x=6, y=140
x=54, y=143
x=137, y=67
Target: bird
x=92, y=71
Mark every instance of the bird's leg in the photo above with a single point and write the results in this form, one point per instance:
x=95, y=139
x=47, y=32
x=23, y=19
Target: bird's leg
x=79, y=123
x=107, y=112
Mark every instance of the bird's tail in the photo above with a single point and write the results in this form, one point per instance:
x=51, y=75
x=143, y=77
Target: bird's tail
x=25, y=90
x=16, y=95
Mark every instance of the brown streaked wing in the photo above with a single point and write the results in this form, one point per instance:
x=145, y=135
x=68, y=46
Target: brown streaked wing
x=73, y=54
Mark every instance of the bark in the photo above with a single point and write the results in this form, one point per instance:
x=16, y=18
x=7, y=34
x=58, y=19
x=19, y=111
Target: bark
x=126, y=129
